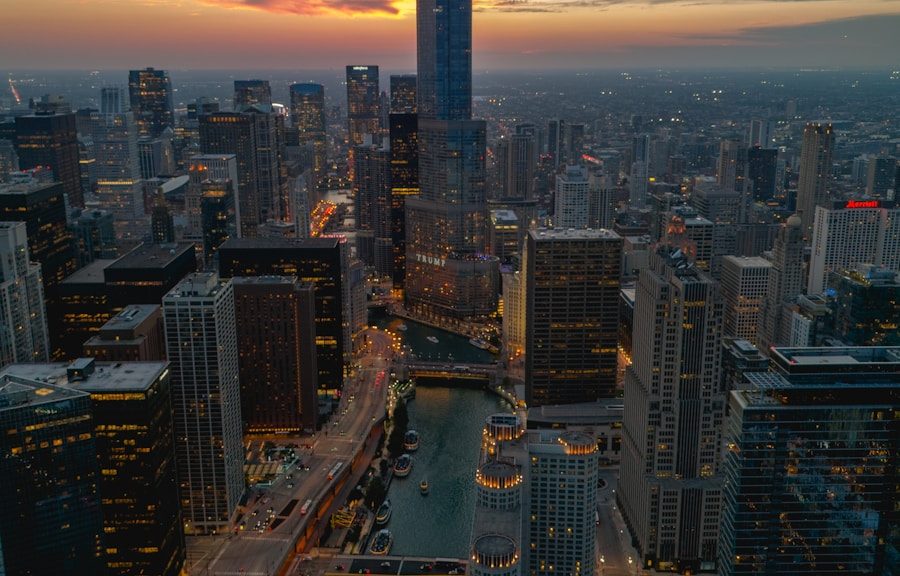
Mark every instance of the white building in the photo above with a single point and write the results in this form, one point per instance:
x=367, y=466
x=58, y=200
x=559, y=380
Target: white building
x=201, y=344
x=23, y=321
x=853, y=232
x=573, y=199
x=744, y=285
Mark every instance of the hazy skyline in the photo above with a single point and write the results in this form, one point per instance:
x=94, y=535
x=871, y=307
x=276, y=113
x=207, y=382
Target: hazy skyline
x=509, y=34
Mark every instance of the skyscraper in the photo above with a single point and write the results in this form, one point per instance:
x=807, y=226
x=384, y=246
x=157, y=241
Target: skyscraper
x=150, y=92
x=50, y=139
x=516, y=160
x=308, y=118
x=276, y=332
x=880, y=177
x=640, y=171
x=403, y=94
x=761, y=168
x=23, y=319
x=203, y=358
x=744, y=284
x=572, y=200
x=572, y=282
x=210, y=173
x=404, y=182
x=815, y=183
x=372, y=204
x=732, y=168
x=363, y=103
x=50, y=520
x=447, y=271
x=851, y=232
x=133, y=335
x=251, y=93
x=784, y=285
x=669, y=490
x=810, y=487
x=866, y=306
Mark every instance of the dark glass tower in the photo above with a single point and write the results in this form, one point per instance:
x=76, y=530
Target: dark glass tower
x=51, y=140
x=150, y=92
x=251, y=93
x=404, y=183
x=448, y=274
x=403, y=94
x=308, y=118
x=363, y=103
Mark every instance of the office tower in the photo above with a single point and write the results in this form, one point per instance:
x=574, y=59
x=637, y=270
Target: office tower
x=50, y=520
x=251, y=93
x=210, y=173
x=308, y=118
x=218, y=220
x=851, y=232
x=572, y=282
x=447, y=271
x=744, y=284
x=201, y=345
x=300, y=187
x=516, y=159
x=9, y=160
x=880, y=177
x=117, y=167
x=572, y=199
x=133, y=335
x=866, y=306
x=147, y=273
x=94, y=235
x=23, y=321
x=162, y=225
x=276, y=336
x=372, y=204
x=555, y=146
x=669, y=490
x=815, y=183
x=562, y=485
x=150, y=93
x=574, y=142
x=761, y=168
x=810, y=485
x=320, y=261
x=363, y=103
x=404, y=146
x=513, y=284
x=686, y=230
x=785, y=282
x=640, y=166
x=602, y=205
x=503, y=234
x=501, y=499
x=738, y=357
x=732, y=166
x=761, y=134
x=156, y=156
x=50, y=139
x=403, y=94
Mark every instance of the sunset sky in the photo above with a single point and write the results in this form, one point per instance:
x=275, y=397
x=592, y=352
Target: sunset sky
x=509, y=34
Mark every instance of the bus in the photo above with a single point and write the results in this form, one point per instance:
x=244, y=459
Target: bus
x=306, y=506
x=333, y=472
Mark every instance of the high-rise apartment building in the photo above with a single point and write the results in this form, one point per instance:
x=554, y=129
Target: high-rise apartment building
x=50, y=520
x=784, y=285
x=201, y=340
x=562, y=486
x=851, y=232
x=23, y=319
x=669, y=490
x=150, y=93
x=572, y=200
x=815, y=184
x=448, y=273
x=251, y=93
x=745, y=280
x=572, y=280
x=276, y=333
x=810, y=487
x=50, y=139
x=308, y=119
x=403, y=94
x=403, y=131
x=363, y=103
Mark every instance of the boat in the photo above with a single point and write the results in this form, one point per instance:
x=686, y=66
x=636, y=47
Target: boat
x=381, y=543
x=411, y=441
x=402, y=327
x=433, y=339
x=479, y=343
x=423, y=487
x=384, y=513
x=402, y=466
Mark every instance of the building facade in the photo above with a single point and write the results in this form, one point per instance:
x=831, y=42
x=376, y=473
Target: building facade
x=150, y=93
x=745, y=280
x=23, y=319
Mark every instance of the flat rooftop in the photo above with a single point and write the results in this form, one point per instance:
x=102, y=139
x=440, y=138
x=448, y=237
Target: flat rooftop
x=93, y=273
x=573, y=234
x=106, y=377
x=279, y=243
x=17, y=392
x=588, y=413
x=152, y=255
x=130, y=317
x=853, y=356
x=748, y=261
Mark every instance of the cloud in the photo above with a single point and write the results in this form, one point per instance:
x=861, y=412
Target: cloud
x=315, y=7
x=567, y=5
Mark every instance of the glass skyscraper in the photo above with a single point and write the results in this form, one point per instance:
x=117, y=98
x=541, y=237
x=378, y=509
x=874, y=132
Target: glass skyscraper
x=150, y=93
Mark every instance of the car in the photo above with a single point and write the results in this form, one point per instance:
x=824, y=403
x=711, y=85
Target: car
x=385, y=564
x=290, y=476
x=290, y=484
x=339, y=567
x=269, y=510
x=255, y=512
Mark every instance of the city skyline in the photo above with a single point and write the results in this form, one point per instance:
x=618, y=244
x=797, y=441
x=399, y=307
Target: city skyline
x=563, y=34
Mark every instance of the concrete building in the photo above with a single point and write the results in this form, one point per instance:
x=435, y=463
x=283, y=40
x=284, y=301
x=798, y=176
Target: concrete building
x=513, y=283
x=814, y=188
x=201, y=339
x=23, y=319
x=133, y=335
x=572, y=199
x=504, y=234
x=785, y=283
x=744, y=284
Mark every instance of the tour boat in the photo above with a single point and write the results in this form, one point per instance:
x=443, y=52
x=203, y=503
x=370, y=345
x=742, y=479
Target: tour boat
x=402, y=327
x=402, y=466
x=432, y=339
x=381, y=543
x=423, y=487
x=479, y=343
x=411, y=441
x=384, y=513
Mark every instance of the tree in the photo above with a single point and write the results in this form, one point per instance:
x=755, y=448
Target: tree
x=375, y=493
x=401, y=415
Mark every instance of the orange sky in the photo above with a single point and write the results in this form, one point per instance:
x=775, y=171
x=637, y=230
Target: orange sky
x=315, y=34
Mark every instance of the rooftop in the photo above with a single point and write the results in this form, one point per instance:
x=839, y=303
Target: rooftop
x=86, y=375
x=16, y=392
x=862, y=357
x=748, y=261
x=573, y=234
x=504, y=216
x=264, y=280
x=90, y=274
x=152, y=255
x=279, y=243
x=130, y=317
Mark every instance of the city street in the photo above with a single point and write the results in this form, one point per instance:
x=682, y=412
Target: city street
x=613, y=541
x=250, y=552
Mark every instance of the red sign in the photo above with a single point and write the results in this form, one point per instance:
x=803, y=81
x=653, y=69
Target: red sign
x=862, y=204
